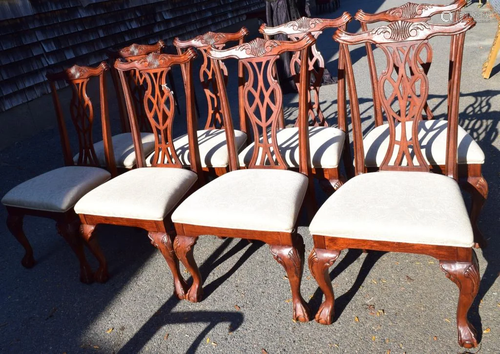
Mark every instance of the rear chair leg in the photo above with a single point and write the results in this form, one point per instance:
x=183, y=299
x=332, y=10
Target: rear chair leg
x=101, y=275
x=69, y=231
x=15, y=226
x=184, y=247
x=319, y=262
x=466, y=276
x=163, y=242
x=292, y=259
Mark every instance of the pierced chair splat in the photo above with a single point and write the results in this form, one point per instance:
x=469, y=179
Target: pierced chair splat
x=328, y=145
x=54, y=193
x=263, y=201
x=212, y=138
x=432, y=133
x=404, y=207
x=123, y=142
x=145, y=197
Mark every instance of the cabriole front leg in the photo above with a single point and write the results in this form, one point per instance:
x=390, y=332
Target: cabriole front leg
x=101, y=275
x=163, y=242
x=184, y=247
x=320, y=260
x=466, y=276
x=15, y=226
x=292, y=259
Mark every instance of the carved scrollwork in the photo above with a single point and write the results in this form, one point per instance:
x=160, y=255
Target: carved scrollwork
x=258, y=47
x=408, y=10
x=401, y=30
x=292, y=256
x=304, y=23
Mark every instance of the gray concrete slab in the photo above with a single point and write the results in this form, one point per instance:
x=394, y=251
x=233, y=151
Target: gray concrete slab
x=395, y=303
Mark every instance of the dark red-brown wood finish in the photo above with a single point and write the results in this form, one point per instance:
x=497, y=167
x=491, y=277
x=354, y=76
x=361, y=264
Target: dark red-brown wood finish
x=82, y=117
x=131, y=53
x=262, y=100
x=158, y=105
x=470, y=176
x=402, y=41
x=330, y=178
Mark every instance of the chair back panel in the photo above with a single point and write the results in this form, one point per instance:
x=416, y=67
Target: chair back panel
x=262, y=97
x=82, y=114
x=131, y=53
x=158, y=104
x=208, y=80
x=409, y=12
x=403, y=89
x=295, y=30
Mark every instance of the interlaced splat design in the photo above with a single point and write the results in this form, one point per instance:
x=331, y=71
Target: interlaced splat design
x=82, y=115
x=138, y=90
x=263, y=103
x=160, y=109
x=403, y=99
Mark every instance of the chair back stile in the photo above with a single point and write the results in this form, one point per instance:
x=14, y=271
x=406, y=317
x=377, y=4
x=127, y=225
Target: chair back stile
x=159, y=107
x=402, y=43
x=131, y=53
x=295, y=30
x=262, y=98
x=207, y=74
x=82, y=115
x=408, y=12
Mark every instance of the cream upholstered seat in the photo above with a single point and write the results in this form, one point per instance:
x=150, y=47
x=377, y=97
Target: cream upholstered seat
x=143, y=194
x=432, y=138
x=57, y=190
x=325, y=146
x=123, y=147
x=240, y=200
x=212, y=146
x=398, y=212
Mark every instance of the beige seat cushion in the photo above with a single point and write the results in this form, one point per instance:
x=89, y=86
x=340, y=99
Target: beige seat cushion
x=212, y=146
x=147, y=193
x=254, y=199
x=123, y=148
x=57, y=190
x=432, y=137
x=409, y=207
x=325, y=146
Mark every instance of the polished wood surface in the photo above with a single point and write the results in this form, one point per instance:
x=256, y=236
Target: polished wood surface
x=404, y=39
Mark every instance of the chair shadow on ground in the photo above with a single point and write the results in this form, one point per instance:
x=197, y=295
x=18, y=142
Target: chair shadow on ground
x=166, y=316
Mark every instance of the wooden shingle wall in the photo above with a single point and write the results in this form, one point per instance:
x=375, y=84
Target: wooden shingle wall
x=37, y=36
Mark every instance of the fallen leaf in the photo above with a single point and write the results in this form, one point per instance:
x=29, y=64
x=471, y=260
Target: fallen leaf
x=285, y=277
x=380, y=312
x=374, y=281
x=288, y=300
x=109, y=330
x=356, y=319
x=418, y=263
x=165, y=337
x=387, y=340
x=435, y=338
x=214, y=344
x=208, y=340
x=487, y=330
x=96, y=347
x=431, y=262
x=374, y=338
x=237, y=307
x=447, y=320
x=264, y=351
x=388, y=351
x=409, y=279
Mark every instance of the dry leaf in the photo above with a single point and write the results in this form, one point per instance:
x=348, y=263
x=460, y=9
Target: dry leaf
x=165, y=337
x=447, y=320
x=109, y=330
x=431, y=262
x=387, y=340
x=288, y=300
x=208, y=340
x=356, y=319
x=264, y=351
x=237, y=307
x=409, y=279
x=435, y=338
x=374, y=338
x=388, y=351
x=374, y=281
x=380, y=312
x=96, y=347
x=214, y=344
x=487, y=330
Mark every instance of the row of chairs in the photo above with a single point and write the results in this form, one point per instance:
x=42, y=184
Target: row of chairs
x=271, y=178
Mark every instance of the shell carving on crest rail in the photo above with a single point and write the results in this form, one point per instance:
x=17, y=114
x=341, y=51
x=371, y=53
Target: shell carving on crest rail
x=210, y=38
x=75, y=72
x=401, y=30
x=258, y=47
x=304, y=23
x=409, y=10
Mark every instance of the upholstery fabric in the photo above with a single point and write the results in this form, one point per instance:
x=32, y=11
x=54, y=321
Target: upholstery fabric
x=253, y=199
x=409, y=207
x=325, y=146
x=57, y=190
x=432, y=137
x=212, y=146
x=147, y=193
x=123, y=148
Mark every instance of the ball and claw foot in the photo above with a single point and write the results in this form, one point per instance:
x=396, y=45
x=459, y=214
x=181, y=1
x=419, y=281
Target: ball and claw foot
x=101, y=275
x=467, y=337
x=325, y=314
x=86, y=275
x=194, y=294
x=301, y=312
x=28, y=261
